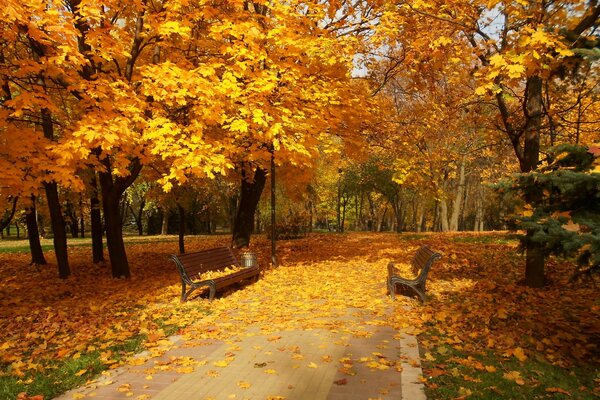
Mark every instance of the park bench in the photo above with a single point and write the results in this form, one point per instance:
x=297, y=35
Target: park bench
x=421, y=264
x=191, y=265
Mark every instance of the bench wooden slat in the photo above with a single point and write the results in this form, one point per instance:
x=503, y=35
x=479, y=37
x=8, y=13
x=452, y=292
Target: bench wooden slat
x=190, y=265
x=421, y=264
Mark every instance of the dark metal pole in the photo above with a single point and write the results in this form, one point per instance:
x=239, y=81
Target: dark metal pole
x=273, y=228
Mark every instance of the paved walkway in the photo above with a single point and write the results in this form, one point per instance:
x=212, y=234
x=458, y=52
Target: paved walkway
x=312, y=364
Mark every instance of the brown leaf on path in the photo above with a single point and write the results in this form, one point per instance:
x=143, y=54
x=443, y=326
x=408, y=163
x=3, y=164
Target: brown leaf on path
x=342, y=381
x=260, y=365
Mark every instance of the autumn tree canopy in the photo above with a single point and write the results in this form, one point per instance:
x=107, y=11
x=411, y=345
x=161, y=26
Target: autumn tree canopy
x=405, y=109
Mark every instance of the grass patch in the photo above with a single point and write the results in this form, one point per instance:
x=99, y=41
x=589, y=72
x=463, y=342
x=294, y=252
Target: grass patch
x=452, y=374
x=22, y=245
x=485, y=239
x=61, y=376
x=411, y=236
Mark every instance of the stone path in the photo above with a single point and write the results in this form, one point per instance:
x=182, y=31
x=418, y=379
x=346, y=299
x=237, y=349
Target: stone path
x=312, y=364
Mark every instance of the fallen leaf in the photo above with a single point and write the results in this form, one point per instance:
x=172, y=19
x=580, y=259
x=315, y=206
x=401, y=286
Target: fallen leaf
x=514, y=376
x=558, y=390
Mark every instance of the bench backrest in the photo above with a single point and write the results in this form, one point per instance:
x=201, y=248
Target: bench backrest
x=422, y=261
x=192, y=264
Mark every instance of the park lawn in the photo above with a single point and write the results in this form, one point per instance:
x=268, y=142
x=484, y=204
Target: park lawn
x=482, y=334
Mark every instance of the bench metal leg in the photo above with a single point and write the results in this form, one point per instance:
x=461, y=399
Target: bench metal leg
x=212, y=292
x=391, y=289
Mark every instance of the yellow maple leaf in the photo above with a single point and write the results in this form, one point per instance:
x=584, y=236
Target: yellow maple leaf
x=514, y=376
x=221, y=363
x=520, y=354
x=312, y=365
x=515, y=70
x=244, y=384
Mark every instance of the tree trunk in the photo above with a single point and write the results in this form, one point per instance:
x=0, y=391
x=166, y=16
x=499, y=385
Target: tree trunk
x=96, y=224
x=164, y=229
x=112, y=190
x=33, y=234
x=56, y=217
x=423, y=222
x=457, y=203
x=9, y=214
x=58, y=230
x=181, y=229
x=534, y=267
x=72, y=219
x=249, y=197
x=444, y=215
x=139, y=221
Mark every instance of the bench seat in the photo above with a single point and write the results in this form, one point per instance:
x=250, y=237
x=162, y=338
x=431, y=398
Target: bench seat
x=192, y=265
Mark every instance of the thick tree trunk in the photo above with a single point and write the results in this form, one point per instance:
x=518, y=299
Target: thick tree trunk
x=534, y=267
x=33, y=234
x=112, y=190
x=250, y=195
x=96, y=225
x=457, y=203
x=114, y=232
x=181, y=229
x=58, y=230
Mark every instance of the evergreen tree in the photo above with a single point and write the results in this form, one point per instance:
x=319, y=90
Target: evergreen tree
x=558, y=205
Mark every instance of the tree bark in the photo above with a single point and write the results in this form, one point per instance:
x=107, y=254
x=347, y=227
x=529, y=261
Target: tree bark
x=8, y=215
x=251, y=191
x=534, y=266
x=457, y=203
x=112, y=190
x=164, y=229
x=96, y=224
x=33, y=234
x=181, y=229
x=56, y=216
x=59, y=232
x=444, y=215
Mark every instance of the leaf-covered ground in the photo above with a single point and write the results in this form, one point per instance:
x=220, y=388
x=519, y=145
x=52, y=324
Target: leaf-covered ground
x=477, y=306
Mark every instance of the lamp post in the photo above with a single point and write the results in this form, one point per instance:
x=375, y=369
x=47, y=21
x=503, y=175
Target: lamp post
x=273, y=228
x=339, y=201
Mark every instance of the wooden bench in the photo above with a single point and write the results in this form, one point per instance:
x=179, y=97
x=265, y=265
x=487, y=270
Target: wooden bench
x=421, y=264
x=190, y=265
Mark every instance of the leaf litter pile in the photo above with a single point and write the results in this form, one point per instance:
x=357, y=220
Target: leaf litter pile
x=476, y=302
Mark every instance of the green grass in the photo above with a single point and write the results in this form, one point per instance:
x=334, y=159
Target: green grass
x=412, y=236
x=60, y=377
x=22, y=245
x=452, y=374
x=485, y=239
